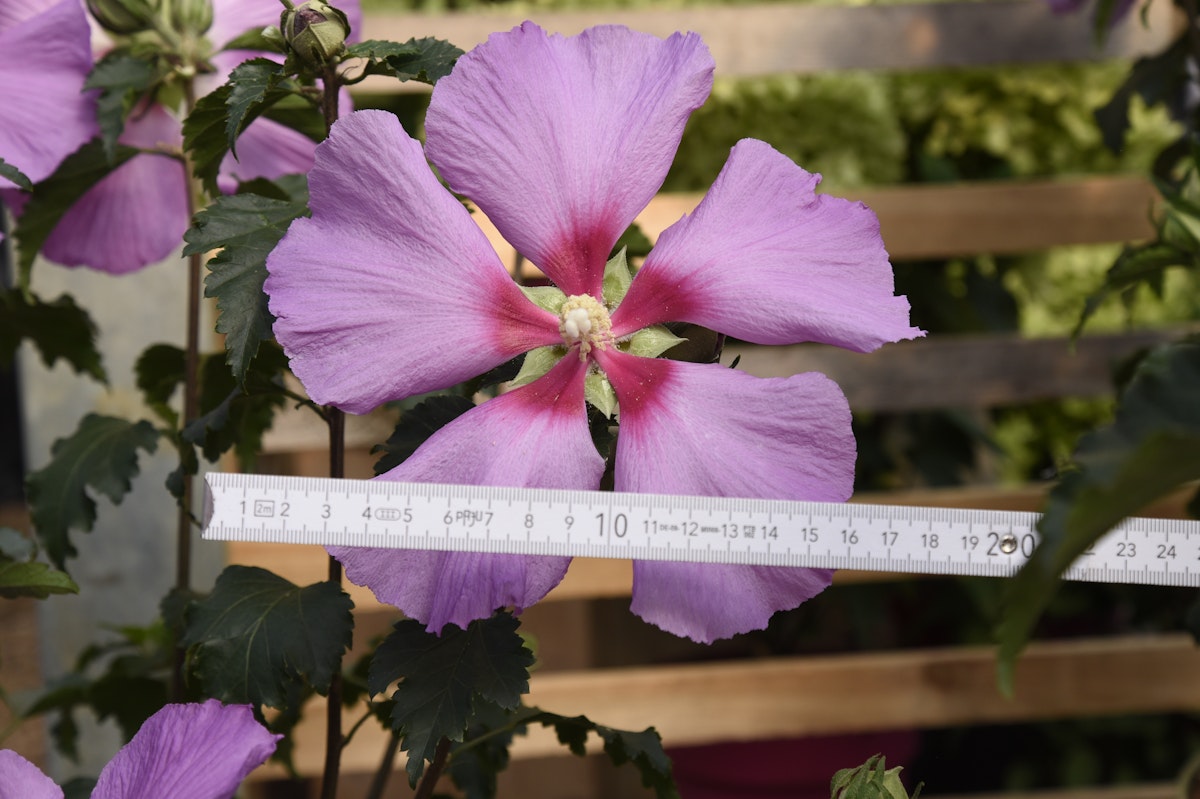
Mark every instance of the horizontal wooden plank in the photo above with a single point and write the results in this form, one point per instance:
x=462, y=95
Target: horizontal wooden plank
x=774, y=38
x=785, y=697
x=980, y=371
x=996, y=217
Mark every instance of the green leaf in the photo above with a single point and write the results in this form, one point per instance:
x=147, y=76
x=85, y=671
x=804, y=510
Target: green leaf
x=426, y=60
x=536, y=363
x=21, y=575
x=159, y=371
x=418, y=424
x=252, y=87
x=256, y=39
x=55, y=195
x=257, y=634
x=246, y=227
x=600, y=394
x=101, y=455
x=235, y=417
x=445, y=678
x=122, y=78
x=650, y=342
x=59, y=329
x=18, y=177
x=1135, y=266
x=204, y=136
x=643, y=749
x=1157, y=79
x=1151, y=449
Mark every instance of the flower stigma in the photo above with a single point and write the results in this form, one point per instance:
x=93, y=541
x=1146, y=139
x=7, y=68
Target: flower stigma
x=584, y=320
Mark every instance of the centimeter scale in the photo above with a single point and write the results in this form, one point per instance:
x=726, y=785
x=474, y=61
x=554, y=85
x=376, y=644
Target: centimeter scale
x=598, y=524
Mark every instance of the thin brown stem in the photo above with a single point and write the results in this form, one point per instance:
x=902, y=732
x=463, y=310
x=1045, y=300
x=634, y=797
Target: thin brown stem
x=436, y=766
x=384, y=772
x=191, y=409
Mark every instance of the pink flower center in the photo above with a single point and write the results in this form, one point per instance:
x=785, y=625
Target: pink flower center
x=583, y=320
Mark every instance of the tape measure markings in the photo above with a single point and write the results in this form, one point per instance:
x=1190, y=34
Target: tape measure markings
x=697, y=529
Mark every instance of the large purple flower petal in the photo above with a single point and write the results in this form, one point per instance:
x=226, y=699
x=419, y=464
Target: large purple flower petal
x=20, y=779
x=562, y=141
x=135, y=216
x=381, y=299
x=535, y=436
x=199, y=751
x=708, y=430
x=43, y=62
x=766, y=259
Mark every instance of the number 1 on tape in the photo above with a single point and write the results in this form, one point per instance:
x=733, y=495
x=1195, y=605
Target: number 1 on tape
x=525, y=521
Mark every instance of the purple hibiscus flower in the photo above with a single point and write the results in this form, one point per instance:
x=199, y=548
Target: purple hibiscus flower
x=137, y=215
x=44, y=58
x=200, y=751
x=390, y=290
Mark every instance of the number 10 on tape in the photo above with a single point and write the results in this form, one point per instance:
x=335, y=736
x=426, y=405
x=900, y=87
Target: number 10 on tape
x=524, y=521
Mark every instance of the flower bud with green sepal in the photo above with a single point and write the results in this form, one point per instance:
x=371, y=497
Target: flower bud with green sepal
x=315, y=31
x=123, y=17
x=190, y=17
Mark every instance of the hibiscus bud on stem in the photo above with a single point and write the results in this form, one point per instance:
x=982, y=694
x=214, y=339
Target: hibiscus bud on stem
x=123, y=17
x=315, y=31
x=190, y=17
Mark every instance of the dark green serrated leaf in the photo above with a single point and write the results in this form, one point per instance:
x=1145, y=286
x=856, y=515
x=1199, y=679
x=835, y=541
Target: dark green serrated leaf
x=445, y=678
x=235, y=417
x=1151, y=449
x=257, y=635
x=55, y=195
x=251, y=85
x=101, y=455
x=1135, y=266
x=643, y=749
x=247, y=227
x=121, y=79
x=427, y=60
x=204, y=137
x=475, y=768
x=59, y=329
x=417, y=425
x=18, y=177
x=158, y=372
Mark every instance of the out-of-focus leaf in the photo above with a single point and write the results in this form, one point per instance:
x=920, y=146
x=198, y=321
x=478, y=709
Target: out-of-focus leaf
x=871, y=780
x=445, y=678
x=59, y=329
x=1135, y=266
x=18, y=177
x=55, y=195
x=1151, y=449
x=121, y=78
x=1157, y=78
x=257, y=635
x=101, y=455
x=247, y=227
x=427, y=60
x=21, y=575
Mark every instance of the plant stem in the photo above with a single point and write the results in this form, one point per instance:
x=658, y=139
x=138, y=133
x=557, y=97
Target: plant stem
x=336, y=420
x=440, y=755
x=191, y=408
x=380, y=780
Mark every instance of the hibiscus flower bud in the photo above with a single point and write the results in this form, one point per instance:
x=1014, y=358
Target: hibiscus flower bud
x=191, y=16
x=315, y=31
x=123, y=16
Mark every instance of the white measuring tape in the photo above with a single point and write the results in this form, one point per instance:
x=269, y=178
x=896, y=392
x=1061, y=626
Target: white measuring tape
x=600, y=524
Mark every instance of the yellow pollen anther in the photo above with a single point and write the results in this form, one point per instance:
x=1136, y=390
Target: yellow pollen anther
x=584, y=320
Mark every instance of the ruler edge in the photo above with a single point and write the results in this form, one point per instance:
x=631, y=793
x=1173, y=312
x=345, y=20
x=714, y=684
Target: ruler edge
x=1012, y=518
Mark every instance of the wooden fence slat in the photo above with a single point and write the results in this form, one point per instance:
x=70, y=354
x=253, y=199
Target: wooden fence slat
x=749, y=40
x=784, y=697
x=957, y=371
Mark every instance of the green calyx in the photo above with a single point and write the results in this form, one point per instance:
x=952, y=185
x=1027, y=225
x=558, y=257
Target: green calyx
x=315, y=32
x=618, y=275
